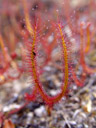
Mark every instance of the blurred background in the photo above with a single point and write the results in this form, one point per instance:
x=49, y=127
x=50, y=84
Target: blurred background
x=18, y=20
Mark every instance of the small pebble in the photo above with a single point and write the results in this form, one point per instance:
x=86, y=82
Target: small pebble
x=54, y=92
x=80, y=126
x=40, y=111
x=10, y=107
x=29, y=118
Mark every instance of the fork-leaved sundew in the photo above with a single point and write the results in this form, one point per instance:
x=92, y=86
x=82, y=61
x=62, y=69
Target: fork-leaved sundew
x=33, y=69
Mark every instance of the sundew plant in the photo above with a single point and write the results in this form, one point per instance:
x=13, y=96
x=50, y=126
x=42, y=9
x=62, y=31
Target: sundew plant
x=39, y=37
